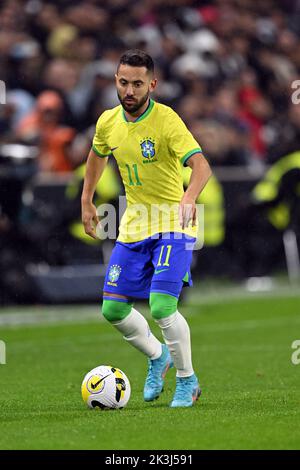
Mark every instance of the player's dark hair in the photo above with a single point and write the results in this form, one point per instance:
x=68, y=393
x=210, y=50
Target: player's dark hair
x=137, y=58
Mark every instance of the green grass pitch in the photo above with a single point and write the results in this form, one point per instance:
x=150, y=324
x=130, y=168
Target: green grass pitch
x=242, y=355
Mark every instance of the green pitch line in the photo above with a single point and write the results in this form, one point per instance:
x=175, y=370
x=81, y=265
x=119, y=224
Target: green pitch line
x=242, y=355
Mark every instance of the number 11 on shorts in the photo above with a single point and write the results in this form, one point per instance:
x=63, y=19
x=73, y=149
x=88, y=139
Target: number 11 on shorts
x=166, y=263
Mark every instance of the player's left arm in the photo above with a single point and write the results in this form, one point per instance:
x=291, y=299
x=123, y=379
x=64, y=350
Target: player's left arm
x=201, y=173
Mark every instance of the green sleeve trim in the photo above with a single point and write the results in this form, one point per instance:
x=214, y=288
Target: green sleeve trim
x=98, y=153
x=185, y=158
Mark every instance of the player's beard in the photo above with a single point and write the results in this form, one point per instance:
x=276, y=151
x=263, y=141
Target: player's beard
x=133, y=107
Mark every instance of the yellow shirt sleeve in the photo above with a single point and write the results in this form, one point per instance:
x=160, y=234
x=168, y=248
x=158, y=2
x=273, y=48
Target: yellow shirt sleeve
x=181, y=142
x=100, y=145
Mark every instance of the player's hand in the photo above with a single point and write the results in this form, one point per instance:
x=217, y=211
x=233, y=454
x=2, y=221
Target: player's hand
x=187, y=211
x=90, y=219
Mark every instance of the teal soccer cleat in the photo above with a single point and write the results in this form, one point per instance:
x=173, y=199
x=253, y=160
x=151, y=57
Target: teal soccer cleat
x=187, y=392
x=157, y=370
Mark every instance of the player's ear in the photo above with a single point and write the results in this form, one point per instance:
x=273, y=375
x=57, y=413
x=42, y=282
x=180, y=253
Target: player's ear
x=153, y=84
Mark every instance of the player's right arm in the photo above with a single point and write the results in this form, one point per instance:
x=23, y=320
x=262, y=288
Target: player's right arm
x=94, y=169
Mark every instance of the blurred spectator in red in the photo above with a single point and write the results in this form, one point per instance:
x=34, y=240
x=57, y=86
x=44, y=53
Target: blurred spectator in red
x=42, y=127
x=255, y=111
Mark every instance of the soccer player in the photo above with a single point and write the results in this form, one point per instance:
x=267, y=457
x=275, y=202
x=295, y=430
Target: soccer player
x=151, y=258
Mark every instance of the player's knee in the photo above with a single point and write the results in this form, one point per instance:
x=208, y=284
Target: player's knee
x=113, y=310
x=162, y=305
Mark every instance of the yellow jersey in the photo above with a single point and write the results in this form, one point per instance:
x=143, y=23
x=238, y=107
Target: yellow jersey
x=150, y=153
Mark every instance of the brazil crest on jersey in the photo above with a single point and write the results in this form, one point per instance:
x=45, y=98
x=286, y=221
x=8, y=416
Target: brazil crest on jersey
x=149, y=153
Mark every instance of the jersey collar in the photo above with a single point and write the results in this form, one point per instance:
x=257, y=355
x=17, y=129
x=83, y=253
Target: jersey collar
x=142, y=116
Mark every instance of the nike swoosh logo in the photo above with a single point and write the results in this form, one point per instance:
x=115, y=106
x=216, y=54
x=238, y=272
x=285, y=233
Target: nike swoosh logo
x=99, y=382
x=157, y=271
x=115, y=148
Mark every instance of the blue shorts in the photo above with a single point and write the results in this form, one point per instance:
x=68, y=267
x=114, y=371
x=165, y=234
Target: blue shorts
x=151, y=265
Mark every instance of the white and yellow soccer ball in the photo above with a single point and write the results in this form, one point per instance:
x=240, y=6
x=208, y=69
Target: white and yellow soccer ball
x=105, y=387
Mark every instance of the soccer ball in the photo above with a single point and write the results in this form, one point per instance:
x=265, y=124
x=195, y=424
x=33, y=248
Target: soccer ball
x=105, y=387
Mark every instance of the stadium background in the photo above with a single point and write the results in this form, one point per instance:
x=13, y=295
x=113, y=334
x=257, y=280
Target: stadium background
x=227, y=67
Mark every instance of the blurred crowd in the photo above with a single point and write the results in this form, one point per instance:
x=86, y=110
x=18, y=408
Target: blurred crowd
x=226, y=66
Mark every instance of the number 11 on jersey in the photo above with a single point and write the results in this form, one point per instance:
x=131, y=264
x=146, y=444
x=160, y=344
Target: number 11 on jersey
x=133, y=175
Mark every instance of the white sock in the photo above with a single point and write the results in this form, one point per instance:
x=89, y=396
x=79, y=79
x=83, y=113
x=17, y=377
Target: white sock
x=136, y=331
x=176, y=333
